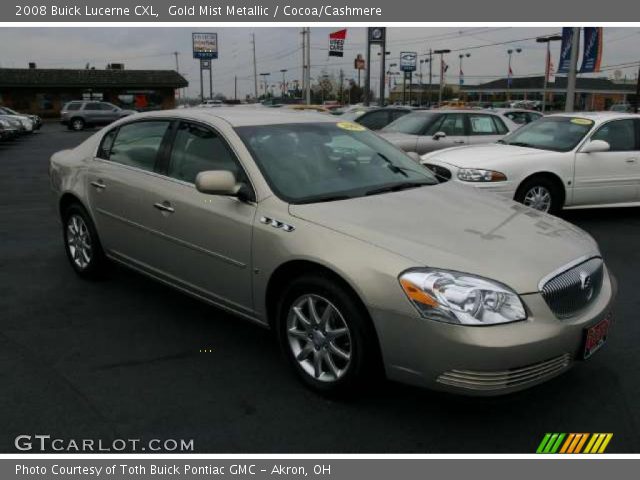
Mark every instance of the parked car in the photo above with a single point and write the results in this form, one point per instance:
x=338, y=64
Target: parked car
x=8, y=129
x=23, y=123
x=518, y=116
x=578, y=160
x=428, y=130
x=375, y=118
x=621, y=108
x=352, y=252
x=35, y=119
x=211, y=103
x=78, y=114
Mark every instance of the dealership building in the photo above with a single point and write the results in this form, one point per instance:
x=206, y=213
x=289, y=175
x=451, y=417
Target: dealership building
x=44, y=91
x=591, y=93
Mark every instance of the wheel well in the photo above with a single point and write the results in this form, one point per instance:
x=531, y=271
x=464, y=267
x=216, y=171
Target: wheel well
x=549, y=176
x=66, y=200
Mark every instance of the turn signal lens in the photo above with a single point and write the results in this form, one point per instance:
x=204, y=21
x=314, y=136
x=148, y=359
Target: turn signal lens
x=478, y=175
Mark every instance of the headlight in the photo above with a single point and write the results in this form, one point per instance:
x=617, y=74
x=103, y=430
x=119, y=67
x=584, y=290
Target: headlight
x=461, y=298
x=478, y=175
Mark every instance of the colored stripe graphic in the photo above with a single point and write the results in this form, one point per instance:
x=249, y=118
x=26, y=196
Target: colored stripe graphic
x=573, y=443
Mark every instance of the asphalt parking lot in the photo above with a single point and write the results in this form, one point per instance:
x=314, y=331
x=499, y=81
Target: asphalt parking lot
x=121, y=358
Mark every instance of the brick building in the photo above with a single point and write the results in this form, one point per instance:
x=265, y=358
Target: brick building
x=44, y=91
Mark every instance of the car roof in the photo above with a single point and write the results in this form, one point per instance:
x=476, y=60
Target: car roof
x=247, y=116
x=597, y=116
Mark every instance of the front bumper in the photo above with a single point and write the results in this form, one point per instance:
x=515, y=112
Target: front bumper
x=489, y=360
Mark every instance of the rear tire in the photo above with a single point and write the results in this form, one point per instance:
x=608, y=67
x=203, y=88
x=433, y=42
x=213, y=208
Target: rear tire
x=326, y=335
x=540, y=193
x=81, y=243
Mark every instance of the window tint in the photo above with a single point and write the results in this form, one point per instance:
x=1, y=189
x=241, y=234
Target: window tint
x=106, y=107
x=395, y=114
x=137, y=144
x=375, y=120
x=72, y=106
x=92, y=106
x=620, y=135
x=106, y=144
x=450, y=124
x=501, y=128
x=197, y=149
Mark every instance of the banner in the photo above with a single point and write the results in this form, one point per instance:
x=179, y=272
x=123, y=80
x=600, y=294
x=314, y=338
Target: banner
x=549, y=69
x=359, y=63
x=336, y=43
x=565, y=50
x=592, y=50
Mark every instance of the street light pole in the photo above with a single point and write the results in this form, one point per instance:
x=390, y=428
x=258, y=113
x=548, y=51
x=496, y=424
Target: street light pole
x=637, y=91
x=283, y=71
x=461, y=74
x=441, y=53
x=430, y=74
x=509, y=73
x=573, y=66
x=265, y=80
x=547, y=68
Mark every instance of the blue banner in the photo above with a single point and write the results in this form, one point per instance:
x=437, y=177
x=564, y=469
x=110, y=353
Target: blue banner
x=565, y=50
x=592, y=50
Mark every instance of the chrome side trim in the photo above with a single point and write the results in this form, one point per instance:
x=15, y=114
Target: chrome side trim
x=175, y=240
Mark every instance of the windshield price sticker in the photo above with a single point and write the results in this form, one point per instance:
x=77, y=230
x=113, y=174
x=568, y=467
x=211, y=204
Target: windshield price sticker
x=352, y=127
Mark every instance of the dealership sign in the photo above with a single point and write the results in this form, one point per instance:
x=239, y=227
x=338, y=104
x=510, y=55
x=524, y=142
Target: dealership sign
x=205, y=45
x=408, y=61
x=336, y=43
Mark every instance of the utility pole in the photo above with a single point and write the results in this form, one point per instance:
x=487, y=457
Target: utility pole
x=210, y=79
x=635, y=109
x=177, y=70
x=201, y=83
x=573, y=66
x=283, y=71
x=255, y=71
x=303, y=87
x=441, y=53
x=430, y=74
x=308, y=69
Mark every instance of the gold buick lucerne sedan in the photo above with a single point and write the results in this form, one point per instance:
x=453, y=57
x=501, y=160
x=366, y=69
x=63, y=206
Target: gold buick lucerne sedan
x=350, y=250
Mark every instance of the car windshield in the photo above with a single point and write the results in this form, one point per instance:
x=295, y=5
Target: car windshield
x=559, y=134
x=411, y=124
x=8, y=111
x=316, y=162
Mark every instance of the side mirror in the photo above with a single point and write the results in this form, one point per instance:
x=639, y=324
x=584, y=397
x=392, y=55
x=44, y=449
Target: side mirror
x=217, y=182
x=595, y=146
x=414, y=156
x=439, y=135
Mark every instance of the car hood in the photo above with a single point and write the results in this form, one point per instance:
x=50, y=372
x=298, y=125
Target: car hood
x=458, y=228
x=472, y=156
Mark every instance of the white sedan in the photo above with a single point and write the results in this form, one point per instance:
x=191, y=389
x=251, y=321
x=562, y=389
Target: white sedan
x=576, y=160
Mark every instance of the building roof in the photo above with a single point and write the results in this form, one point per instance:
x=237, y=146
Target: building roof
x=537, y=83
x=87, y=78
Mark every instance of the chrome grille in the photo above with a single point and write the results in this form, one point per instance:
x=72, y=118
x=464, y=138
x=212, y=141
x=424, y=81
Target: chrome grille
x=498, y=380
x=574, y=289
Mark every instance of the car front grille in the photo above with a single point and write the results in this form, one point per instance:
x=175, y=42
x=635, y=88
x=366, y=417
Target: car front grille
x=499, y=380
x=442, y=174
x=574, y=289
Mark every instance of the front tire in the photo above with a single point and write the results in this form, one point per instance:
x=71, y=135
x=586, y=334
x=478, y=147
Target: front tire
x=325, y=335
x=540, y=193
x=77, y=124
x=81, y=242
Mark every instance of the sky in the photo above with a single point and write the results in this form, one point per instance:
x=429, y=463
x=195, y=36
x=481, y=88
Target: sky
x=280, y=48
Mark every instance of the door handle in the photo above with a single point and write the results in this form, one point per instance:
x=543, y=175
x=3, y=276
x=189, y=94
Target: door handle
x=164, y=206
x=631, y=160
x=99, y=184
x=458, y=141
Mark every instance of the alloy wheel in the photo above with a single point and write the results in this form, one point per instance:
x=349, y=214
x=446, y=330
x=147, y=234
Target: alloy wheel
x=79, y=242
x=538, y=198
x=319, y=338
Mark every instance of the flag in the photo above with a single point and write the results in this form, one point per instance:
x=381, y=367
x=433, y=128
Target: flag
x=549, y=69
x=336, y=43
x=592, y=50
